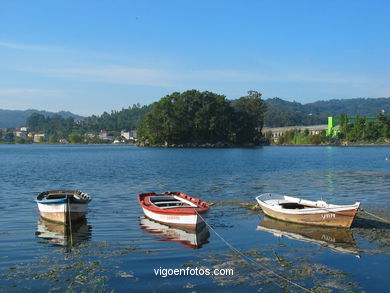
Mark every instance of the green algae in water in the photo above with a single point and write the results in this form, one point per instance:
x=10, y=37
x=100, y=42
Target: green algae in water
x=302, y=270
x=71, y=272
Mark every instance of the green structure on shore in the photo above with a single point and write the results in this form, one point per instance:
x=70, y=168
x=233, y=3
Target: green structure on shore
x=335, y=121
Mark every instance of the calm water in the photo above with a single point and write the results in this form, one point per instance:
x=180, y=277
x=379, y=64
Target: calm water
x=117, y=249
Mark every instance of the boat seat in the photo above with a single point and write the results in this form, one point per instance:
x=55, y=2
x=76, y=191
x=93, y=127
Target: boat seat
x=166, y=202
x=173, y=207
x=161, y=198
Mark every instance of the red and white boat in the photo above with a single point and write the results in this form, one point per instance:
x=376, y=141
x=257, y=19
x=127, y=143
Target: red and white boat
x=174, y=209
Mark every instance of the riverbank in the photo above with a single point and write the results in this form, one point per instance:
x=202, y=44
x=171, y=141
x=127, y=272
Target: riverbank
x=198, y=145
x=207, y=145
x=339, y=145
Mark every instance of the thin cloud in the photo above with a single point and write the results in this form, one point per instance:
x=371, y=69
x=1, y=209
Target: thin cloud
x=24, y=46
x=181, y=78
x=240, y=76
x=188, y=79
x=8, y=92
x=114, y=74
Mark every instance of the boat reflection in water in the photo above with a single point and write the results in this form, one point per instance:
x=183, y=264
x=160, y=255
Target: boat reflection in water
x=189, y=238
x=63, y=235
x=337, y=239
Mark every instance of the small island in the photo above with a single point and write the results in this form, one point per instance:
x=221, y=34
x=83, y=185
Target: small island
x=194, y=118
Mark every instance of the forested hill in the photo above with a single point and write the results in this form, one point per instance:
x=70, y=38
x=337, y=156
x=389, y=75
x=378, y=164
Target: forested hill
x=127, y=119
x=13, y=118
x=285, y=113
x=351, y=107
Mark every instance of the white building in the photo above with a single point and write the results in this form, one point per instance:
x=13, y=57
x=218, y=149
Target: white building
x=39, y=137
x=132, y=134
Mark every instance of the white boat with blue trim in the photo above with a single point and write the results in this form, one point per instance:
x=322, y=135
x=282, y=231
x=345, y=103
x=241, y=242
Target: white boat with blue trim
x=63, y=206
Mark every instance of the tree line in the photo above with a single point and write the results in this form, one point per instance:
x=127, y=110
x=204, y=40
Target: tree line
x=126, y=119
x=201, y=117
x=364, y=129
x=58, y=128
x=353, y=130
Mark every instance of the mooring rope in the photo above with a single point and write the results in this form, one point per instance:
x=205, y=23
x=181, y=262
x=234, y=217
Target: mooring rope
x=375, y=216
x=70, y=224
x=250, y=259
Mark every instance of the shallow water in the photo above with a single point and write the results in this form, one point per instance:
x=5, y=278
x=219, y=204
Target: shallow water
x=117, y=249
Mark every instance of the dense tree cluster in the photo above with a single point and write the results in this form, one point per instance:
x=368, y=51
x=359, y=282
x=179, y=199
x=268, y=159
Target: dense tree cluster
x=7, y=135
x=204, y=117
x=365, y=130
x=51, y=125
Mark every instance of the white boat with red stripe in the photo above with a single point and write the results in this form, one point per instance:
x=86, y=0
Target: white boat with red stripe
x=174, y=209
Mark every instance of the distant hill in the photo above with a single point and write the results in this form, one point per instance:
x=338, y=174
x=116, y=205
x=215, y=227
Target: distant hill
x=13, y=118
x=364, y=107
x=285, y=113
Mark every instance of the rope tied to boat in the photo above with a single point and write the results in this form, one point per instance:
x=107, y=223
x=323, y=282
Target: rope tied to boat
x=70, y=223
x=252, y=260
x=375, y=216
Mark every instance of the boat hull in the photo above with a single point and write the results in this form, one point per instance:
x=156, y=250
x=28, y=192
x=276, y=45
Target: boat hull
x=59, y=212
x=187, y=222
x=174, y=209
x=301, y=211
x=342, y=218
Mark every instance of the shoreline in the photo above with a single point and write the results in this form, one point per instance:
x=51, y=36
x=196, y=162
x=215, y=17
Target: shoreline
x=350, y=144
x=205, y=146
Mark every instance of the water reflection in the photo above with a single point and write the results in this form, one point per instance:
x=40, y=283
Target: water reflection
x=336, y=239
x=330, y=178
x=63, y=235
x=190, y=239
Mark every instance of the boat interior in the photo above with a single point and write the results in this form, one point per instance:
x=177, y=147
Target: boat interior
x=167, y=202
x=294, y=206
x=60, y=194
x=289, y=205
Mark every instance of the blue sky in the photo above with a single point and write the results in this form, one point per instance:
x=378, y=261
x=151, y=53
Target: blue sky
x=93, y=56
